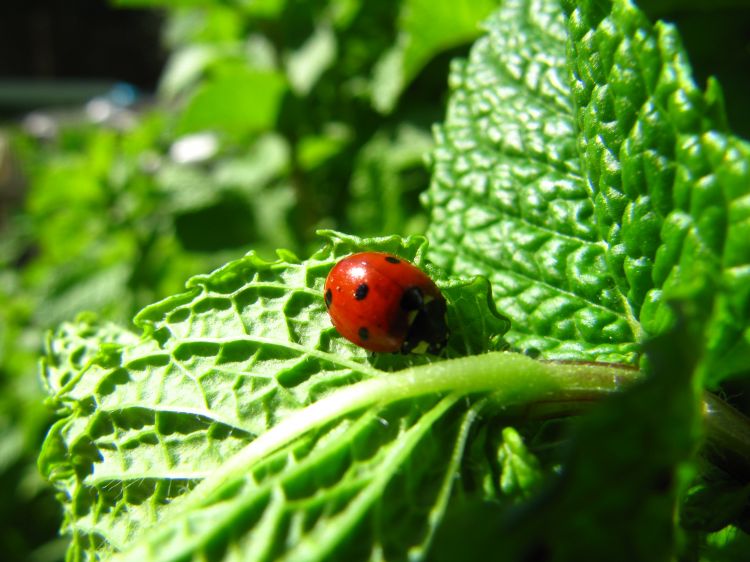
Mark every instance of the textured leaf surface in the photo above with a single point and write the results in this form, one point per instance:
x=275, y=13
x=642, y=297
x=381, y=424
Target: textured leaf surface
x=582, y=170
x=585, y=175
x=245, y=348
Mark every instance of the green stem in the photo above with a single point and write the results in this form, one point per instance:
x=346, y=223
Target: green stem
x=537, y=388
x=513, y=379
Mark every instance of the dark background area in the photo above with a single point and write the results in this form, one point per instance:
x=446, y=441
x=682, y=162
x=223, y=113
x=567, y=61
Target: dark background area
x=82, y=44
x=85, y=45
x=717, y=39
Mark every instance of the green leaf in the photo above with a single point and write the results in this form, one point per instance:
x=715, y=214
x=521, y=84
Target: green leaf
x=314, y=150
x=239, y=425
x=584, y=173
x=237, y=101
x=221, y=26
x=520, y=473
x=267, y=8
x=77, y=345
x=306, y=65
x=387, y=176
x=613, y=439
x=426, y=28
x=243, y=351
x=241, y=416
x=185, y=67
x=727, y=545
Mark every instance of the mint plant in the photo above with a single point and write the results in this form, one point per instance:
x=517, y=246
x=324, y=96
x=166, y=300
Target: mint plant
x=568, y=174
x=587, y=208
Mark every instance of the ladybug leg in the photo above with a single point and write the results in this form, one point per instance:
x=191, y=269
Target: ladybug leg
x=430, y=327
x=417, y=340
x=407, y=346
x=427, y=328
x=436, y=347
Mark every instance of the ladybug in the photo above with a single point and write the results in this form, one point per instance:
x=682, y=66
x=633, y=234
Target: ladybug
x=386, y=304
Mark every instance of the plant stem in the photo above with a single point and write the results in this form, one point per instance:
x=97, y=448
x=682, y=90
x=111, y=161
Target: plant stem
x=512, y=378
x=538, y=388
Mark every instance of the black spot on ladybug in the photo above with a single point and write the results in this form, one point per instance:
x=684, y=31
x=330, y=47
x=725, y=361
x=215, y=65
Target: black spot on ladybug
x=364, y=333
x=391, y=259
x=361, y=291
x=329, y=298
x=412, y=299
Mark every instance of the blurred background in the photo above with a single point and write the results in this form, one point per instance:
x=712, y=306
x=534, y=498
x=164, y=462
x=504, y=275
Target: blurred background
x=144, y=141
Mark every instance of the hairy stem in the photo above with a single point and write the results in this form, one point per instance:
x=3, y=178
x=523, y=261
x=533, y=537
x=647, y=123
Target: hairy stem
x=529, y=387
x=513, y=379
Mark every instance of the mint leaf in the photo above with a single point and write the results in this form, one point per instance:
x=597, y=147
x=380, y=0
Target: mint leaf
x=520, y=473
x=426, y=28
x=236, y=101
x=583, y=172
x=240, y=423
x=245, y=350
x=316, y=493
x=726, y=545
x=306, y=65
x=388, y=170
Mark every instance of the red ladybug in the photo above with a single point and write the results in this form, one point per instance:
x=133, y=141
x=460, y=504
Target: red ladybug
x=386, y=304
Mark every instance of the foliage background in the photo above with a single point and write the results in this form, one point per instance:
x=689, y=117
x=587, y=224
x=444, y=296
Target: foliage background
x=321, y=113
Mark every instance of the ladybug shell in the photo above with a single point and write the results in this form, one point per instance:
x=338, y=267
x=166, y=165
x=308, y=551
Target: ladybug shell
x=386, y=304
